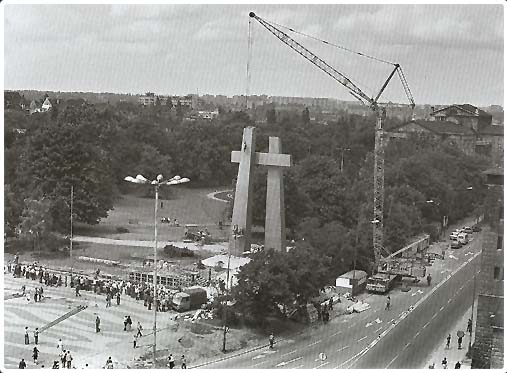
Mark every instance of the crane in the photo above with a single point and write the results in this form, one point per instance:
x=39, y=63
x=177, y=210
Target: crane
x=373, y=102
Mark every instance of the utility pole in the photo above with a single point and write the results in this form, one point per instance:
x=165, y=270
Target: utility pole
x=225, y=303
x=71, y=226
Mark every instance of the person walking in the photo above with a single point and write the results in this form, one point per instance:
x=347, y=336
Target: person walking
x=171, y=361
x=109, y=363
x=444, y=363
x=97, y=324
x=428, y=278
x=183, y=362
x=63, y=358
x=36, y=336
x=271, y=340
x=129, y=323
x=59, y=346
x=35, y=355
x=457, y=365
x=27, y=339
x=139, y=329
x=125, y=322
x=135, y=340
x=460, y=341
x=448, y=344
x=118, y=298
x=388, y=303
x=55, y=365
x=469, y=326
x=22, y=364
x=69, y=360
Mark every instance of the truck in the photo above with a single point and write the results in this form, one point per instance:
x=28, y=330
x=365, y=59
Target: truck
x=381, y=282
x=190, y=298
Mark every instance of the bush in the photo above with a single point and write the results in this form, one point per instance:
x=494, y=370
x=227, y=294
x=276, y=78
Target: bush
x=178, y=252
x=122, y=230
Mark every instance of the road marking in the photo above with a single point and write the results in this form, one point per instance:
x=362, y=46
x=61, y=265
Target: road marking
x=262, y=362
x=425, y=325
x=408, y=344
x=283, y=363
x=321, y=365
x=314, y=343
x=441, y=308
x=258, y=357
x=342, y=348
x=368, y=325
x=392, y=361
x=338, y=332
x=288, y=353
x=416, y=334
x=449, y=301
x=359, y=340
x=434, y=315
x=378, y=329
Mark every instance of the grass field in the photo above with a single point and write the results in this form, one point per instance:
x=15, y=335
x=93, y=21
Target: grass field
x=189, y=206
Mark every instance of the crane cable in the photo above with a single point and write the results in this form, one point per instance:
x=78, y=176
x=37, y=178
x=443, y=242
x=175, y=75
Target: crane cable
x=249, y=58
x=335, y=45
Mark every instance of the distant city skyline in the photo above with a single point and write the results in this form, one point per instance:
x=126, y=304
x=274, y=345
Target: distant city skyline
x=449, y=53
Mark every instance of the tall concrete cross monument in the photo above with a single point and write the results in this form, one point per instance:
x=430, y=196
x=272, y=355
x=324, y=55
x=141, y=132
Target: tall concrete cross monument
x=247, y=158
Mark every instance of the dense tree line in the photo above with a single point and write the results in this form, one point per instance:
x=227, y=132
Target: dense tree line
x=328, y=207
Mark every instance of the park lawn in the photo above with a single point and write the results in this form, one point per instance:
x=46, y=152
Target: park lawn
x=189, y=206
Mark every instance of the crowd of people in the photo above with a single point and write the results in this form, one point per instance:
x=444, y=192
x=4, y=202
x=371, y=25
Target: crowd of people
x=110, y=288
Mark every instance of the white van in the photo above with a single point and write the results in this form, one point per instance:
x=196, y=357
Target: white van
x=463, y=238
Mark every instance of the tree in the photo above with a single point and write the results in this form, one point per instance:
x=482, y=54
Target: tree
x=263, y=285
x=35, y=224
x=60, y=155
x=271, y=116
x=305, y=116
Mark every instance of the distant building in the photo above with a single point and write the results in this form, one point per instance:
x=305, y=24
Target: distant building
x=151, y=99
x=464, y=126
x=34, y=107
x=207, y=114
x=46, y=105
x=488, y=347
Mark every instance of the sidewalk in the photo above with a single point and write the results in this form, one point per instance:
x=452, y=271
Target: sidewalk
x=453, y=354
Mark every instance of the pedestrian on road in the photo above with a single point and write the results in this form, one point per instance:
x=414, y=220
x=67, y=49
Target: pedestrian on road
x=35, y=355
x=457, y=365
x=271, y=340
x=171, y=361
x=27, y=339
x=444, y=363
x=59, y=346
x=448, y=344
x=22, y=364
x=63, y=358
x=469, y=327
x=118, y=298
x=109, y=363
x=428, y=278
x=97, y=324
x=388, y=303
x=460, y=341
x=431, y=366
x=55, y=365
x=36, y=335
x=135, y=340
x=183, y=362
x=129, y=323
x=139, y=329
x=125, y=322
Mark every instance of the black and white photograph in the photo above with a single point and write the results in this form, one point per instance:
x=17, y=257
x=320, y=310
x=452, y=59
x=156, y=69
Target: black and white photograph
x=253, y=186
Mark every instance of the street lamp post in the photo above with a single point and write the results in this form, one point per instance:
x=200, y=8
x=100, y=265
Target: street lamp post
x=343, y=150
x=140, y=179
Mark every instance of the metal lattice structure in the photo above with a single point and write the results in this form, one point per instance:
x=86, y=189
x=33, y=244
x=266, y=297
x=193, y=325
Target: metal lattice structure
x=378, y=174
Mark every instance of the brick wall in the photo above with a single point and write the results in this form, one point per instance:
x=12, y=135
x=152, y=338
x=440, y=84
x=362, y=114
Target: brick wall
x=489, y=332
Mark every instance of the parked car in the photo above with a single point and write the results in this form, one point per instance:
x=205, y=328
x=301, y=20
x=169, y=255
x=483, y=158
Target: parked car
x=463, y=238
x=455, y=244
x=468, y=230
x=454, y=236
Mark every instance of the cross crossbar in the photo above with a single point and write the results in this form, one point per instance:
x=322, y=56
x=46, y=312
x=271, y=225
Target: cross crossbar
x=265, y=159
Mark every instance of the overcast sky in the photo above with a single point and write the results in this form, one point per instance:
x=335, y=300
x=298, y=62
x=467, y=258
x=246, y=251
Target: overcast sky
x=449, y=53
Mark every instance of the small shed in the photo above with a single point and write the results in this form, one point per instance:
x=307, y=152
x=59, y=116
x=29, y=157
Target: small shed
x=352, y=282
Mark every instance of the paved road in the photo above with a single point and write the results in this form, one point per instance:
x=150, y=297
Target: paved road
x=376, y=338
